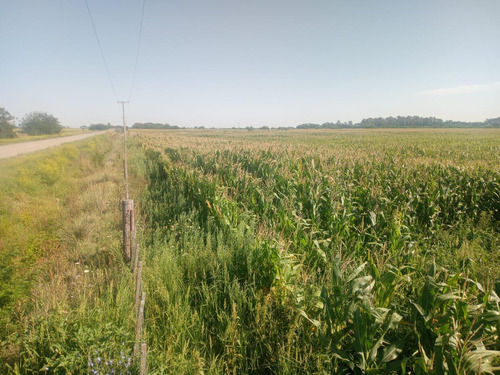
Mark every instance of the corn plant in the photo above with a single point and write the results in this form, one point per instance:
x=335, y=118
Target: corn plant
x=324, y=252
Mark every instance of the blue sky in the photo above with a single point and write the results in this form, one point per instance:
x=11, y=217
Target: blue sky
x=260, y=62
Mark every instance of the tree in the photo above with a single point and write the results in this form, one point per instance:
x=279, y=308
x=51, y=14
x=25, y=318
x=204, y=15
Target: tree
x=6, y=125
x=36, y=123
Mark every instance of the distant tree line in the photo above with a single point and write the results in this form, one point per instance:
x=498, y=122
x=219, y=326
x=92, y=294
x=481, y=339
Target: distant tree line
x=107, y=126
x=371, y=122
x=403, y=122
x=153, y=125
x=265, y=127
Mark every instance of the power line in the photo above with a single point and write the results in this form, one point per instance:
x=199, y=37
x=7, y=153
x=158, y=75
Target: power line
x=100, y=49
x=137, y=53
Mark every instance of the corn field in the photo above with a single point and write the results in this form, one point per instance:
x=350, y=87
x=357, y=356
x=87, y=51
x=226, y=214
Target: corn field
x=322, y=252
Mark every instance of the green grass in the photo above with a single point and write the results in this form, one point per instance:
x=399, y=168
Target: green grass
x=27, y=138
x=370, y=251
x=66, y=296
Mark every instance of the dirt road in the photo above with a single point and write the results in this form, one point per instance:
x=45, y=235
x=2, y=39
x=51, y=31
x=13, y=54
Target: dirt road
x=16, y=149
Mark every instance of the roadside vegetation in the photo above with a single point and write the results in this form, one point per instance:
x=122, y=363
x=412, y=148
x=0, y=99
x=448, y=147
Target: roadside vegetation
x=34, y=126
x=66, y=297
x=341, y=252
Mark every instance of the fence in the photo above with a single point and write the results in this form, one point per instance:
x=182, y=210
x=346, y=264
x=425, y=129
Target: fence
x=131, y=253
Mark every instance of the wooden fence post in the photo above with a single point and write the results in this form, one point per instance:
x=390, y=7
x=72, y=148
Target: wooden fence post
x=132, y=235
x=144, y=354
x=140, y=322
x=138, y=287
x=133, y=242
x=140, y=319
x=128, y=227
x=136, y=259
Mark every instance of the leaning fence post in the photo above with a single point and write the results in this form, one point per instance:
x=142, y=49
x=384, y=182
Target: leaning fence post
x=128, y=226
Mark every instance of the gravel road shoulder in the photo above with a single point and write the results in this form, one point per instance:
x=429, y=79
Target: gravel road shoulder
x=16, y=149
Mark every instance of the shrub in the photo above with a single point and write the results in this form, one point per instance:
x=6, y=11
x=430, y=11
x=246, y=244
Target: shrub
x=36, y=123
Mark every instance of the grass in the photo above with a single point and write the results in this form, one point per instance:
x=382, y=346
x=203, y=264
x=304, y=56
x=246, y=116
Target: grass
x=367, y=251
x=27, y=138
x=66, y=295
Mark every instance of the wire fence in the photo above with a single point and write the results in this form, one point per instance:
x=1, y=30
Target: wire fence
x=132, y=255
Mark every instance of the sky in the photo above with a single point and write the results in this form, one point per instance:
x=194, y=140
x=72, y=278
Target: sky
x=228, y=63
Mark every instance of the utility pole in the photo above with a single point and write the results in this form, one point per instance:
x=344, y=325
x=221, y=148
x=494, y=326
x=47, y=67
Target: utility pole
x=125, y=164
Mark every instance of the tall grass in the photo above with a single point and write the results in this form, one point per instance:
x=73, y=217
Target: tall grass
x=322, y=252
x=67, y=296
